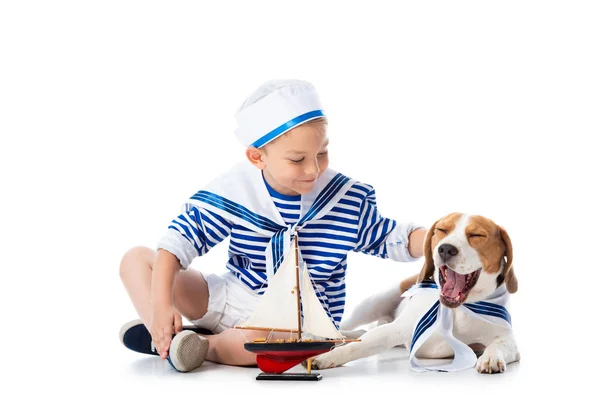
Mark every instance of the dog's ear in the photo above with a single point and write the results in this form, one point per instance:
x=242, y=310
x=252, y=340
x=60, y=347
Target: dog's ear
x=408, y=283
x=509, y=273
x=427, y=270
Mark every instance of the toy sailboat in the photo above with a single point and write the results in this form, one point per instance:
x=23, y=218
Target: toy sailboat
x=279, y=310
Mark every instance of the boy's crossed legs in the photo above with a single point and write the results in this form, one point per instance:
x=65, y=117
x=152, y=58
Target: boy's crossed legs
x=191, y=297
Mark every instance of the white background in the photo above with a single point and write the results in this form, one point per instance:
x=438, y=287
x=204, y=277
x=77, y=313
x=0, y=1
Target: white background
x=113, y=113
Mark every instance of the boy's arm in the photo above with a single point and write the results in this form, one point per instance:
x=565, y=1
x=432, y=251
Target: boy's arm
x=415, y=242
x=164, y=270
x=386, y=238
x=191, y=234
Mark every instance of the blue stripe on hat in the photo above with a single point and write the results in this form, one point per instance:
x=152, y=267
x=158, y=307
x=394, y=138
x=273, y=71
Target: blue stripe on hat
x=286, y=127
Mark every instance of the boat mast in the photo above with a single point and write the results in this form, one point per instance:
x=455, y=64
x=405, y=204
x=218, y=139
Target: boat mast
x=298, y=288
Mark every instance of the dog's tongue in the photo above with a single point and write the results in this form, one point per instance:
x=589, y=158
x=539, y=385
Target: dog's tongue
x=455, y=283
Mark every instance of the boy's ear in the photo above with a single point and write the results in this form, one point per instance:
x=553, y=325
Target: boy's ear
x=255, y=156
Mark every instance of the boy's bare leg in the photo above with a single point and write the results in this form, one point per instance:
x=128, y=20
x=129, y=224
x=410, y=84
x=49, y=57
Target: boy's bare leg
x=190, y=290
x=227, y=347
x=190, y=299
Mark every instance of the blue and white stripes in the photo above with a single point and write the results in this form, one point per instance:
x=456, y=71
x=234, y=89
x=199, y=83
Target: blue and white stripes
x=492, y=310
x=425, y=323
x=353, y=223
x=288, y=206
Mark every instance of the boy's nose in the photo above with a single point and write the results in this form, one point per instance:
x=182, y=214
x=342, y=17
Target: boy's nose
x=312, y=169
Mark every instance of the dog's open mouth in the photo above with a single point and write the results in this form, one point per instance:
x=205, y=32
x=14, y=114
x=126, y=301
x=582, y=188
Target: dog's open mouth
x=455, y=286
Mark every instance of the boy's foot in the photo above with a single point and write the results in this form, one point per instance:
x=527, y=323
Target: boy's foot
x=188, y=351
x=136, y=337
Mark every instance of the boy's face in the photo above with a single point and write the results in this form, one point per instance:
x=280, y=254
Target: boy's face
x=292, y=163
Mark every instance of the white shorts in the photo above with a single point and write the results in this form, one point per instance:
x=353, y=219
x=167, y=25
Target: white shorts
x=230, y=303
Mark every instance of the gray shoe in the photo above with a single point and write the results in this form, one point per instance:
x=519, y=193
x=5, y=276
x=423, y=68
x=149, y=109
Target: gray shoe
x=188, y=351
x=136, y=337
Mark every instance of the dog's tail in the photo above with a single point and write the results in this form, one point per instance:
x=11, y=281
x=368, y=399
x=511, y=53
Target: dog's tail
x=379, y=307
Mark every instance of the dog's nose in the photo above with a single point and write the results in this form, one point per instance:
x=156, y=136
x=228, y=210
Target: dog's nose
x=447, y=251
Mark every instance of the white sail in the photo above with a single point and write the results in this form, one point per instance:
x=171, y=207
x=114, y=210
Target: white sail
x=278, y=306
x=316, y=321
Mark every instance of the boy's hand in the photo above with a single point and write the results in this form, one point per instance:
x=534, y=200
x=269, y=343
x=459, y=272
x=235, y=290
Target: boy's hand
x=165, y=322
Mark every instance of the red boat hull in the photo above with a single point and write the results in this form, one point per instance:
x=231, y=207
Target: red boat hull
x=276, y=358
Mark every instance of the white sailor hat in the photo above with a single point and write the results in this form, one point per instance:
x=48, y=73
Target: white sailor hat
x=274, y=108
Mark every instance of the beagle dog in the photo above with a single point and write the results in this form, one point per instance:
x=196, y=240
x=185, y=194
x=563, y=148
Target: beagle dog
x=468, y=261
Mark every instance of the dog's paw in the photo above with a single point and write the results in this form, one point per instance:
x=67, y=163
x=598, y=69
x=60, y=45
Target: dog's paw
x=491, y=362
x=325, y=361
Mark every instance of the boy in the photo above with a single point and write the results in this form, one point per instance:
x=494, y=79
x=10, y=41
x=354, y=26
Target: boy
x=286, y=188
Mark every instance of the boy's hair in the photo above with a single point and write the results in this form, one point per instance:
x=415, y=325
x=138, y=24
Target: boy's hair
x=322, y=120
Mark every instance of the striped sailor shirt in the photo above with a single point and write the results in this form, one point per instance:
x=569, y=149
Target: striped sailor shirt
x=353, y=224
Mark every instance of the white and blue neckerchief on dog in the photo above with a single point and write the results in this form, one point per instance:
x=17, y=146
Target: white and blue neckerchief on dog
x=491, y=310
x=274, y=108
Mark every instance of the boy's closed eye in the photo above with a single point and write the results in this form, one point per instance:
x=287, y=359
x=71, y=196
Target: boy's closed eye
x=322, y=154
